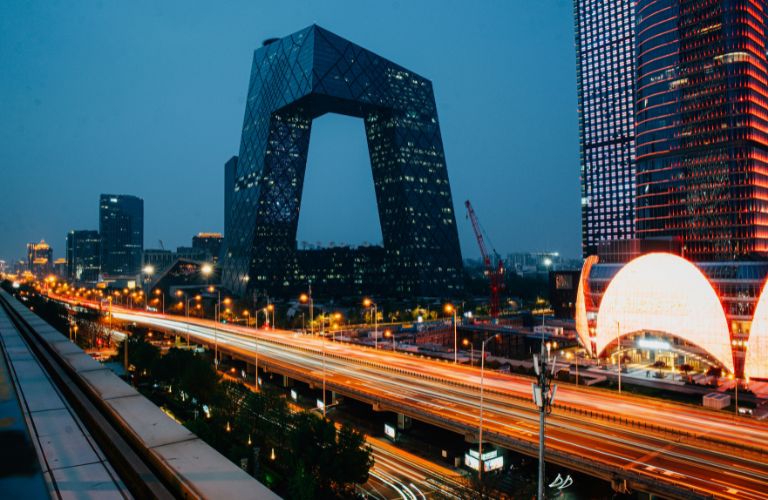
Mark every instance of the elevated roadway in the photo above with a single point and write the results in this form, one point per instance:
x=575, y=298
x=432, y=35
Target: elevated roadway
x=668, y=449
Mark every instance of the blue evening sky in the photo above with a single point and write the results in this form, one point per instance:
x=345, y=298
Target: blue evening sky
x=147, y=98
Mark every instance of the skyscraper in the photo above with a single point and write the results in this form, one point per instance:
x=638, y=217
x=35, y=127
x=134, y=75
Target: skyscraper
x=305, y=75
x=40, y=258
x=702, y=126
x=121, y=226
x=605, y=62
x=83, y=255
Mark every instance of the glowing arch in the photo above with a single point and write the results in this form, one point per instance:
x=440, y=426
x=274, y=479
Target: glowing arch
x=583, y=300
x=756, y=361
x=662, y=292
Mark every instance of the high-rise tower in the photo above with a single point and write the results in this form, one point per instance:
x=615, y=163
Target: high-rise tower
x=305, y=75
x=605, y=61
x=121, y=227
x=702, y=126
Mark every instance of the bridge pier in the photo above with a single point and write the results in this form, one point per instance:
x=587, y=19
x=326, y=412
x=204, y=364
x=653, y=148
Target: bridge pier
x=287, y=382
x=403, y=422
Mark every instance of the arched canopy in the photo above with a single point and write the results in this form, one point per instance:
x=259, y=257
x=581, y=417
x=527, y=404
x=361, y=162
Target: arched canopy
x=662, y=292
x=756, y=362
x=582, y=300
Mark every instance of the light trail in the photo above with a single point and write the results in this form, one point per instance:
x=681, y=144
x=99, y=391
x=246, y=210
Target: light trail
x=687, y=447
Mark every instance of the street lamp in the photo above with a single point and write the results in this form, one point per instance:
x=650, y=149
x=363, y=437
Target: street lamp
x=482, y=393
x=388, y=333
x=271, y=308
x=161, y=295
x=568, y=356
x=736, y=393
x=206, y=270
x=371, y=304
x=148, y=270
x=307, y=298
x=466, y=343
x=450, y=309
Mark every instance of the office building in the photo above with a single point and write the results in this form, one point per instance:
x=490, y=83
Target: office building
x=702, y=127
x=121, y=226
x=40, y=258
x=297, y=79
x=209, y=243
x=83, y=255
x=605, y=62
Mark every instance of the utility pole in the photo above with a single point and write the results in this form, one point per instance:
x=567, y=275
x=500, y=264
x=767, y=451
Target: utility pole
x=543, y=396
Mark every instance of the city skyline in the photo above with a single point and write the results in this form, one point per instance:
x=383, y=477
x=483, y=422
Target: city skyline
x=170, y=152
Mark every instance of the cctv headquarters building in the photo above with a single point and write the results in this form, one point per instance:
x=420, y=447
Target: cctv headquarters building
x=294, y=80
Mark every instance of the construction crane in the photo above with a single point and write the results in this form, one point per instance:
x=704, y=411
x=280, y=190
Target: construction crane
x=494, y=270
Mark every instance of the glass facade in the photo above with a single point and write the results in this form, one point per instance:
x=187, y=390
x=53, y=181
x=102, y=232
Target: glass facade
x=83, y=255
x=296, y=79
x=605, y=59
x=702, y=126
x=121, y=226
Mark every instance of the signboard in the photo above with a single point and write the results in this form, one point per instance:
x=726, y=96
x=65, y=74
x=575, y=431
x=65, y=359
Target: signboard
x=491, y=460
x=471, y=462
x=294, y=395
x=390, y=431
x=320, y=404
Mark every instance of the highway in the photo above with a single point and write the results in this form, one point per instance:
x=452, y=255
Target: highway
x=665, y=448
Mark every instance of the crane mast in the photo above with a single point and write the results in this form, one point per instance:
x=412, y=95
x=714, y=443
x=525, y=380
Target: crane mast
x=495, y=271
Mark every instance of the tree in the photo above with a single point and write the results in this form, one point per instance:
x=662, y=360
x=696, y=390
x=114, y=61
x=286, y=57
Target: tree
x=141, y=354
x=336, y=461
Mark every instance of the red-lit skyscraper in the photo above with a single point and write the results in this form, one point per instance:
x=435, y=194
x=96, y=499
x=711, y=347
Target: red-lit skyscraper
x=702, y=126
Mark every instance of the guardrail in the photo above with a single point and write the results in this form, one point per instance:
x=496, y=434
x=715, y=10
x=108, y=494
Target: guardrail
x=155, y=456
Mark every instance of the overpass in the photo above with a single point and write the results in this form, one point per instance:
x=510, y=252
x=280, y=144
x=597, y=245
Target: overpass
x=637, y=443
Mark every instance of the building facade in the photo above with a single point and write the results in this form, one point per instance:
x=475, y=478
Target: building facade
x=305, y=75
x=209, y=243
x=121, y=226
x=605, y=62
x=83, y=255
x=230, y=171
x=40, y=258
x=702, y=126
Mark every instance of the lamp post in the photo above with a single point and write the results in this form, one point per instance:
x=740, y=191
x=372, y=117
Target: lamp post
x=618, y=347
x=206, y=270
x=466, y=343
x=449, y=308
x=271, y=308
x=388, y=333
x=307, y=298
x=256, y=360
x=736, y=392
x=161, y=295
x=148, y=270
x=482, y=394
x=371, y=304
x=324, y=376
x=570, y=355
x=197, y=298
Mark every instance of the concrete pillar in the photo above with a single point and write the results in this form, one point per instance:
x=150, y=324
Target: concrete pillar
x=403, y=422
x=287, y=382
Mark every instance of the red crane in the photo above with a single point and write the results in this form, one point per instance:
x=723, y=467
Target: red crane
x=494, y=270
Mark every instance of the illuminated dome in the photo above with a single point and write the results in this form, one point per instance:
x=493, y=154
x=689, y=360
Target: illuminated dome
x=756, y=362
x=664, y=293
